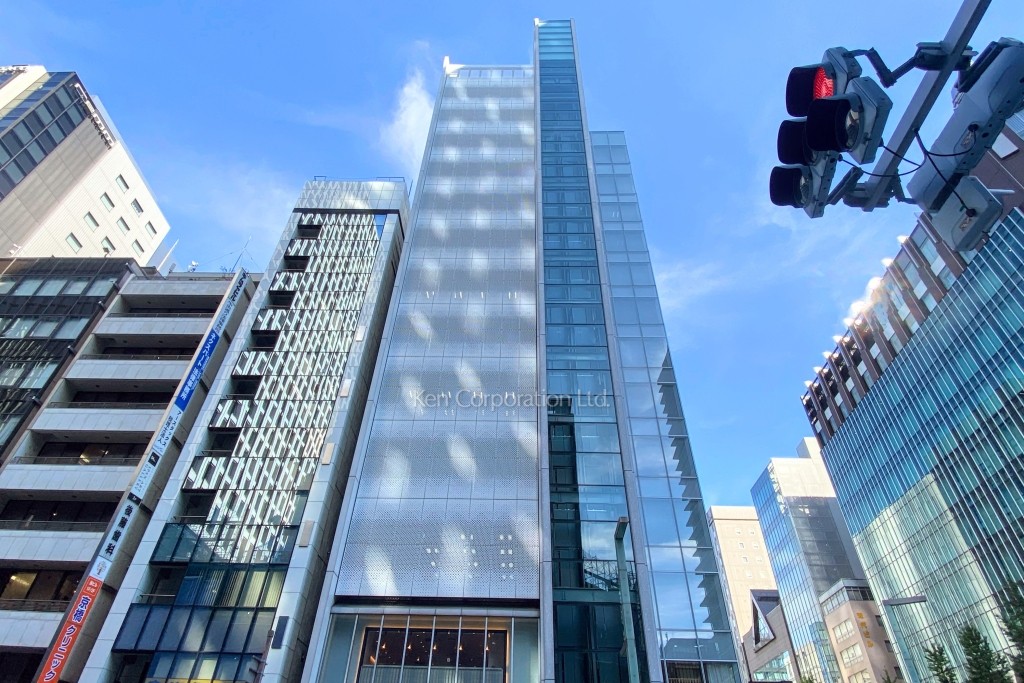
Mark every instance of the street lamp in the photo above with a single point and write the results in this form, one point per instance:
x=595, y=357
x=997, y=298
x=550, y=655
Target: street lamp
x=902, y=651
x=629, y=635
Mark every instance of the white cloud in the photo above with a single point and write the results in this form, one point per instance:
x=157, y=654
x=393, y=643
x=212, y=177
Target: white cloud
x=682, y=283
x=403, y=137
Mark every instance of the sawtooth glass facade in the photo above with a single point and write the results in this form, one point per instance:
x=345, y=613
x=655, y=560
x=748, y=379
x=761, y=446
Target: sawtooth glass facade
x=928, y=464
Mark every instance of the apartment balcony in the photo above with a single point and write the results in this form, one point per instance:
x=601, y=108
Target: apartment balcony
x=83, y=421
x=46, y=541
x=109, y=475
x=145, y=369
x=176, y=288
x=30, y=623
x=165, y=325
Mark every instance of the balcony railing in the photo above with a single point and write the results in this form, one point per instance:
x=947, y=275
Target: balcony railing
x=34, y=605
x=131, y=356
x=130, y=461
x=90, y=405
x=51, y=525
x=146, y=314
x=156, y=599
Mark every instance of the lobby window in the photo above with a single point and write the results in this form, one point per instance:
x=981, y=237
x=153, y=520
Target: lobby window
x=137, y=207
x=121, y=183
x=91, y=221
x=73, y=242
x=107, y=202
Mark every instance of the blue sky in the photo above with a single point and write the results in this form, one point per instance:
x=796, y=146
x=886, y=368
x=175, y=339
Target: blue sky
x=228, y=107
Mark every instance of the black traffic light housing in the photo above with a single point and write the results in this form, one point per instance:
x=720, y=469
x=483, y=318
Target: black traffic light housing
x=840, y=112
x=806, y=178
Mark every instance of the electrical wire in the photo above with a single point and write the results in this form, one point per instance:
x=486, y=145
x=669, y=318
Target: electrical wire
x=882, y=175
x=928, y=155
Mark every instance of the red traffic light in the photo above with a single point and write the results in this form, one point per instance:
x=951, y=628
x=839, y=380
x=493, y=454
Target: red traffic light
x=806, y=84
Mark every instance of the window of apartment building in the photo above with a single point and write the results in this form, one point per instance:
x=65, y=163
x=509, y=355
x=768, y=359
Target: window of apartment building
x=40, y=514
x=10, y=374
x=108, y=246
x=150, y=229
x=123, y=226
x=741, y=545
x=18, y=327
x=862, y=677
x=137, y=207
x=843, y=630
x=76, y=285
x=852, y=654
x=138, y=248
x=121, y=183
x=91, y=221
x=73, y=242
x=20, y=584
x=70, y=329
x=107, y=202
x=44, y=328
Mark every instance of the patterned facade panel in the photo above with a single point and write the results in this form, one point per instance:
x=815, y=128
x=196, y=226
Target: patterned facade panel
x=446, y=504
x=253, y=470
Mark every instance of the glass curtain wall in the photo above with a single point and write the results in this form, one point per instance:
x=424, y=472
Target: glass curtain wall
x=929, y=468
x=587, y=490
x=692, y=621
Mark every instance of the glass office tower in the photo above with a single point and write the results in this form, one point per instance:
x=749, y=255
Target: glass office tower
x=523, y=504
x=920, y=413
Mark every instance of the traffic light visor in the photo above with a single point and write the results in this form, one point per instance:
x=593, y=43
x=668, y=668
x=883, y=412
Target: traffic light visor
x=806, y=84
x=790, y=186
x=834, y=124
x=792, y=143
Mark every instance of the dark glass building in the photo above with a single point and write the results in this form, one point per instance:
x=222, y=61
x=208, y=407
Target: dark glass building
x=46, y=307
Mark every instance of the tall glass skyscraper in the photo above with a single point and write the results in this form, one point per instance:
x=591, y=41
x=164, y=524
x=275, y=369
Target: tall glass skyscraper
x=919, y=410
x=523, y=504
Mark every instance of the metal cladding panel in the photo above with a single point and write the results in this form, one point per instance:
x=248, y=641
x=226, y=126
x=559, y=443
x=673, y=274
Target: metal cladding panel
x=446, y=498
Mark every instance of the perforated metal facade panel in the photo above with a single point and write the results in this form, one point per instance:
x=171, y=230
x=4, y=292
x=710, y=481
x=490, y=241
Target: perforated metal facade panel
x=446, y=485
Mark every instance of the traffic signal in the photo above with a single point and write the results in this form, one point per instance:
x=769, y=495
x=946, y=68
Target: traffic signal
x=839, y=112
x=988, y=93
x=852, y=122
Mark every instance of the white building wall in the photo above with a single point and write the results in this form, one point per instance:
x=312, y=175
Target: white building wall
x=28, y=629
x=49, y=546
x=68, y=215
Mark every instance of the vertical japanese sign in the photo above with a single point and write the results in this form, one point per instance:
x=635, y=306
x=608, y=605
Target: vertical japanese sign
x=127, y=513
